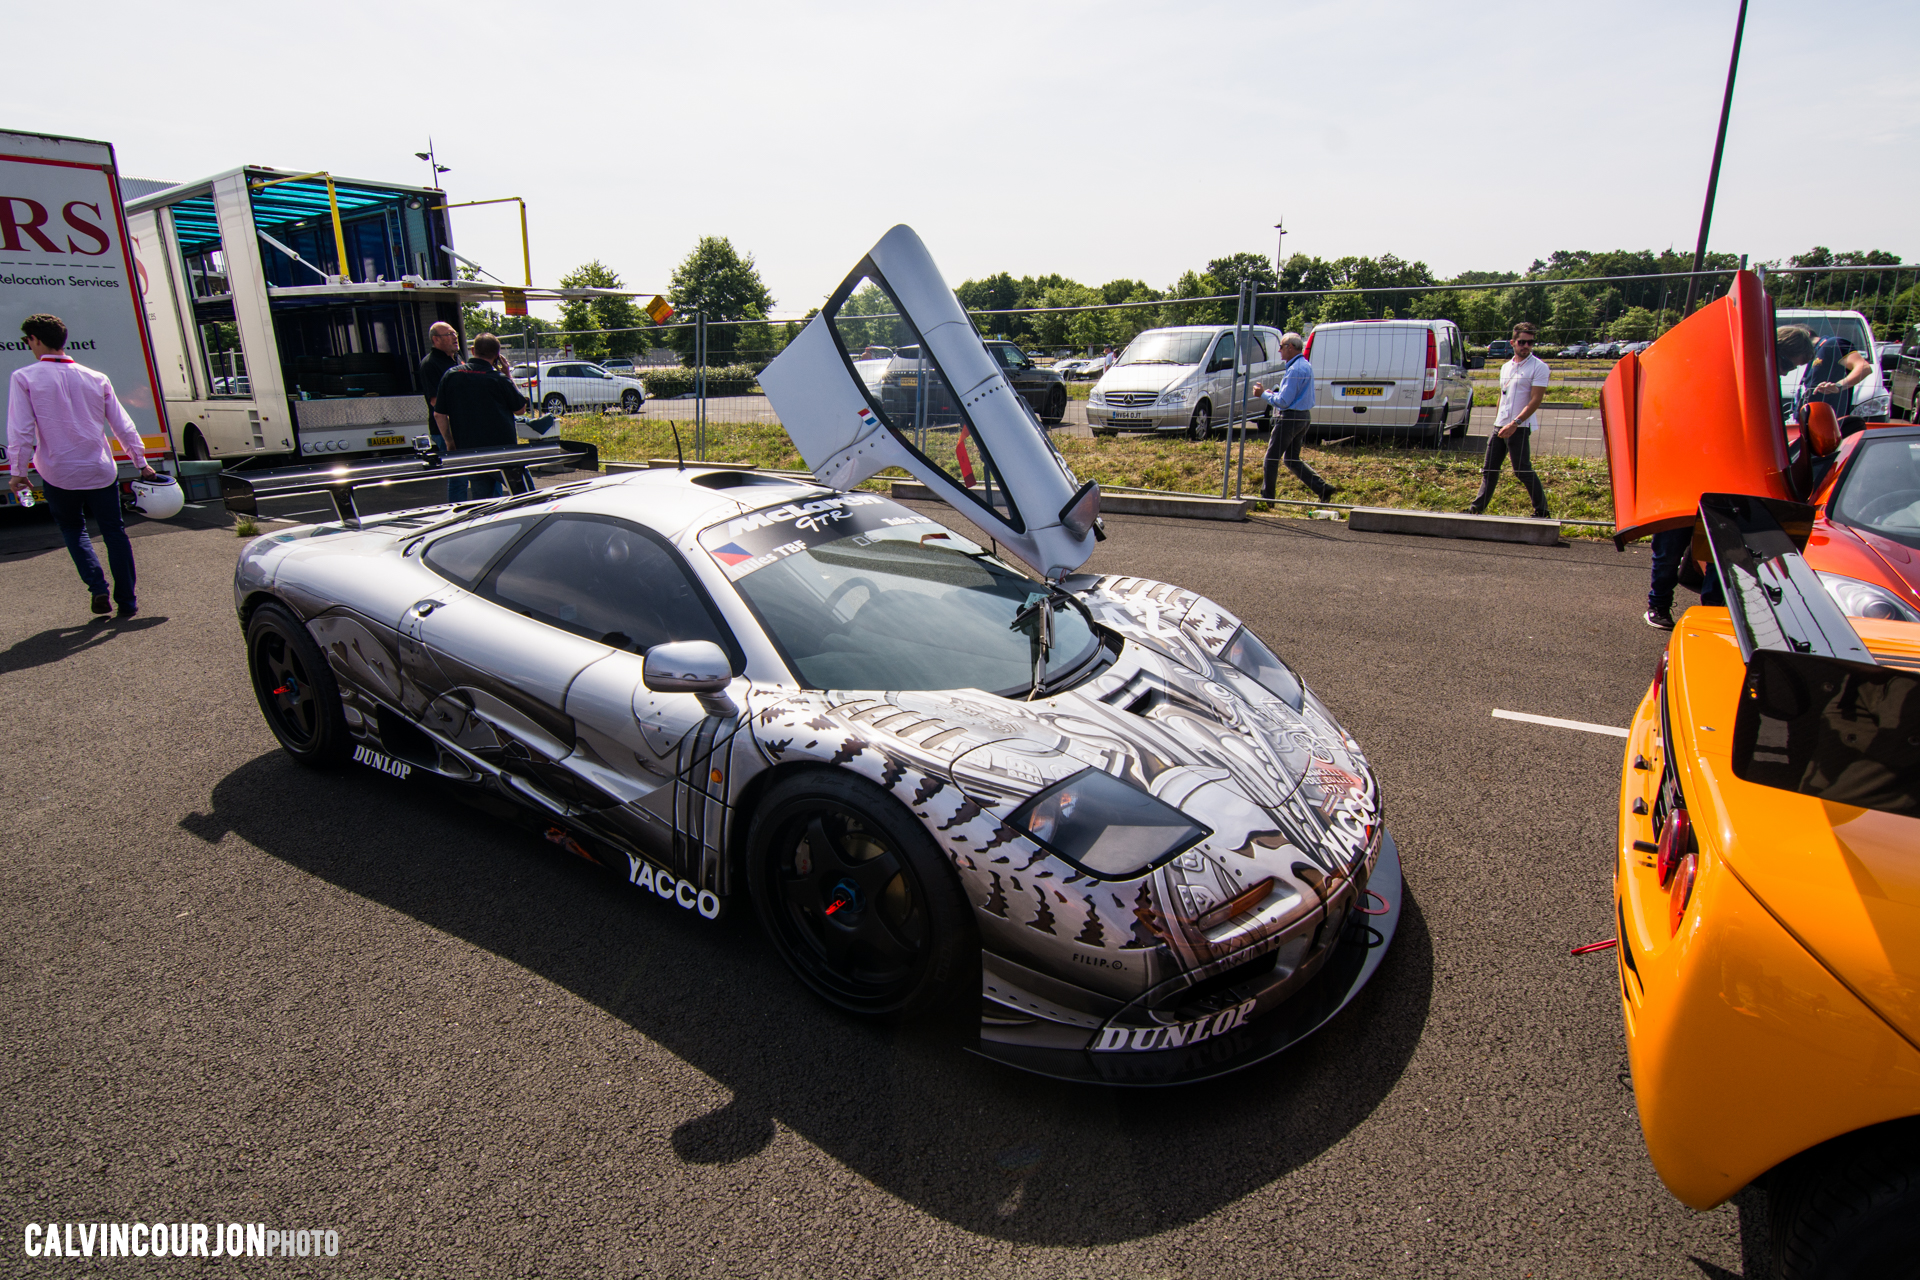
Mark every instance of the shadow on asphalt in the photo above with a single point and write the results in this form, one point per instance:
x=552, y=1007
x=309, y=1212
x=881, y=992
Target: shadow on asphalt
x=59, y=643
x=988, y=1149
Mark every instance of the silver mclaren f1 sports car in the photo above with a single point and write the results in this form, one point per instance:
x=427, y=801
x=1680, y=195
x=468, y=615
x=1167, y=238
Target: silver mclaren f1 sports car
x=923, y=763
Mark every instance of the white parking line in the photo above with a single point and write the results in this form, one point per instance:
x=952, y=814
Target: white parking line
x=1558, y=723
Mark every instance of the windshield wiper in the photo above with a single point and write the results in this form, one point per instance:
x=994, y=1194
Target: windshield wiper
x=1038, y=609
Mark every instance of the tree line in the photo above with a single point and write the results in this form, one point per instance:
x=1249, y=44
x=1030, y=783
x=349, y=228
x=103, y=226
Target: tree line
x=1053, y=312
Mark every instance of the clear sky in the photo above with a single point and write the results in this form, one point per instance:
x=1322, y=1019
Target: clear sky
x=1099, y=140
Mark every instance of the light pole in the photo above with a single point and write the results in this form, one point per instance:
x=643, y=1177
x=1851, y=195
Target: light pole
x=432, y=163
x=1279, y=260
x=1713, y=175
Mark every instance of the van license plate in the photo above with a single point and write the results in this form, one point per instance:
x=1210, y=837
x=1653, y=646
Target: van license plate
x=1350, y=392
x=1119, y=415
x=909, y=380
x=375, y=442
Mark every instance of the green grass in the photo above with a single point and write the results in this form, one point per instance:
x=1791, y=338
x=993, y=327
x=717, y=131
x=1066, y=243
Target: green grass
x=1371, y=475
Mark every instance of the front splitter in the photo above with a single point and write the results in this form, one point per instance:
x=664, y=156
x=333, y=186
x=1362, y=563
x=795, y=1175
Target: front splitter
x=1362, y=945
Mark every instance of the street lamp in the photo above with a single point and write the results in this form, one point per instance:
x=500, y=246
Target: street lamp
x=432, y=163
x=1279, y=259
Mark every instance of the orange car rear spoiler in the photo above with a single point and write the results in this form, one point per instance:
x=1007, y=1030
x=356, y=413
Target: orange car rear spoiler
x=1817, y=715
x=1698, y=412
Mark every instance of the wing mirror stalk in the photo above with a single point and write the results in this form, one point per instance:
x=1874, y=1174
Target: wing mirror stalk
x=699, y=667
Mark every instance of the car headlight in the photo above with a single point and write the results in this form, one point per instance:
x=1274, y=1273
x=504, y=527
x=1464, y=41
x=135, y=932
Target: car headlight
x=1859, y=599
x=1096, y=396
x=1879, y=406
x=1251, y=656
x=1177, y=397
x=1107, y=828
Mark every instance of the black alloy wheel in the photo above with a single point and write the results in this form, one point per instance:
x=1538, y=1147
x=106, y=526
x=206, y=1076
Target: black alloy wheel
x=295, y=688
x=856, y=897
x=1200, y=426
x=1056, y=406
x=630, y=400
x=554, y=403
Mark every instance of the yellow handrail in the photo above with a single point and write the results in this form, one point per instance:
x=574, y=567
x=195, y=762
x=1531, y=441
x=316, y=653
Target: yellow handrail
x=526, y=256
x=333, y=203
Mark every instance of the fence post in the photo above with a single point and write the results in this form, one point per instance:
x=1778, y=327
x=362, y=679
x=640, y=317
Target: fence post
x=700, y=386
x=1239, y=319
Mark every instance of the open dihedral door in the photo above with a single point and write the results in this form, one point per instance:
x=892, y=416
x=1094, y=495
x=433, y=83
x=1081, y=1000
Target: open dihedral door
x=1698, y=413
x=892, y=374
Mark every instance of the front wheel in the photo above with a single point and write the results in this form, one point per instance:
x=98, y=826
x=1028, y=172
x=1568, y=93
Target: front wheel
x=857, y=898
x=1200, y=426
x=630, y=400
x=295, y=688
x=197, y=450
x=1056, y=406
x=555, y=403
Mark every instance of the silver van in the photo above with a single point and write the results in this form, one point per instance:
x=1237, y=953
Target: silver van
x=1406, y=378
x=1182, y=379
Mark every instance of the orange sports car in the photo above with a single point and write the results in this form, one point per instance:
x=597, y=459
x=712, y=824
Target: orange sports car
x=1768, y=904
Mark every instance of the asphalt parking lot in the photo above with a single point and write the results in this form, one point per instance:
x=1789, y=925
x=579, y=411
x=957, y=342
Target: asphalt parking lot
x=239, y=990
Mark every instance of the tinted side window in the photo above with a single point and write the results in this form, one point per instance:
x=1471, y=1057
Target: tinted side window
x=1223, y=353
x=608, y=581
x=1257, y=348
x=463, y=556
x=1443, y=344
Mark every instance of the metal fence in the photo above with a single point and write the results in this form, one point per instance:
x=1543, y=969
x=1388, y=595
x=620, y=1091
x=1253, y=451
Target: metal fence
x=721, y=415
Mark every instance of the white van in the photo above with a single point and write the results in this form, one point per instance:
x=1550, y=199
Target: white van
x=1871, y=399
x=1408, y=378
x=1182, y=379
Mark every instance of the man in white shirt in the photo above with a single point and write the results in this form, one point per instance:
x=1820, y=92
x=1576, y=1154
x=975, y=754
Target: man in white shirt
x=58, y=417
x=1523, y=385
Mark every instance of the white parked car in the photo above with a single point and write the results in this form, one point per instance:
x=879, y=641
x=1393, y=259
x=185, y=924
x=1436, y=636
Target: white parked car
x=1871, y=397
x=1406, y=378
x=1182, y=379
x=559, y=385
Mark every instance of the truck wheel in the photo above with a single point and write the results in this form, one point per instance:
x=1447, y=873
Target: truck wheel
x=1200, y=426
x=295, y=688
x=554, y=403
x=1056, y=406
x=630, y=400
x=1848, y=1210
x=197, y=450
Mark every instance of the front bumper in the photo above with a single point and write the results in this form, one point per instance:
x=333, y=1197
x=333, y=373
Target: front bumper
x=1362, y=945
x=1145, y=418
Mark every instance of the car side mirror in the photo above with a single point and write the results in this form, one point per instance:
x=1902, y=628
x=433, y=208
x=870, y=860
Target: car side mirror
x=699, y=667
x=1889, y=362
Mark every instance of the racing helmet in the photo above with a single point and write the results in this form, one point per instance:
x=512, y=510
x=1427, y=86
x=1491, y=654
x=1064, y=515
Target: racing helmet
x=159, y=498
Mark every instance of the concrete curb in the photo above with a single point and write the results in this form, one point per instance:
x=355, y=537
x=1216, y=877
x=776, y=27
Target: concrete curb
x=1121, y=504
x=1449, y=524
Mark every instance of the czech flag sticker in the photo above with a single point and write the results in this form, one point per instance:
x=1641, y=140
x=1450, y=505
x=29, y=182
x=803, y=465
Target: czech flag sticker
x=731, y=554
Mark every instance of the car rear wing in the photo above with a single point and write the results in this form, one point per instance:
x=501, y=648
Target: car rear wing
x=1818, y=714
x=243, y=490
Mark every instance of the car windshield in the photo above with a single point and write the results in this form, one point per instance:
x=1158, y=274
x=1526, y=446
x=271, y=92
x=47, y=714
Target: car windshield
x=880, y=597
x=1881, y=489
x=1183, y=347
x=1836, y=324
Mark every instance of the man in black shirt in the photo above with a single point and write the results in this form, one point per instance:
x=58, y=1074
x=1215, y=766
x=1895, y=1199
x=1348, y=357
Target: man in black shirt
x=475, y=408
x=444, y=356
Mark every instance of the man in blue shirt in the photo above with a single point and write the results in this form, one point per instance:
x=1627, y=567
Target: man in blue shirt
x=1291, y=400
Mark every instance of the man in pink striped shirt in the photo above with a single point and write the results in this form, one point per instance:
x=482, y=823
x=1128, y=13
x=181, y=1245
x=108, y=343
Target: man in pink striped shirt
x=58, y=416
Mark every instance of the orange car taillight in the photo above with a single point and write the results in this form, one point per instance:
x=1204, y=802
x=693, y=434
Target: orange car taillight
x=1433, y=368
x=1676, y=844
x=1682, y=890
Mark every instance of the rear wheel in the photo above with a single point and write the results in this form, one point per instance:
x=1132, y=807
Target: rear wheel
x=555, y=403
x=1850, y=1210
x=1200, y=426
x=857, y=898
x=295, y=688
x=630, y=400
x=197, y=450
x=1056, y=406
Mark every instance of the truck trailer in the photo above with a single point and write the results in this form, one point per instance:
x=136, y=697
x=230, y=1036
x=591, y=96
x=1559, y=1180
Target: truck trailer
x=289, y=311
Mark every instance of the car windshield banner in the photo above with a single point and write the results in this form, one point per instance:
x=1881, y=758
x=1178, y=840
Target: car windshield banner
x=760, y=538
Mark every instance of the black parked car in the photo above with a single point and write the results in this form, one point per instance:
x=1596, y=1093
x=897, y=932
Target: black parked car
x=1573, y=351
x=901, y=395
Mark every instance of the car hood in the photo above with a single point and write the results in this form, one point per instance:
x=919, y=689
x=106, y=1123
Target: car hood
x=1698, y=412
x=1143, y=377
